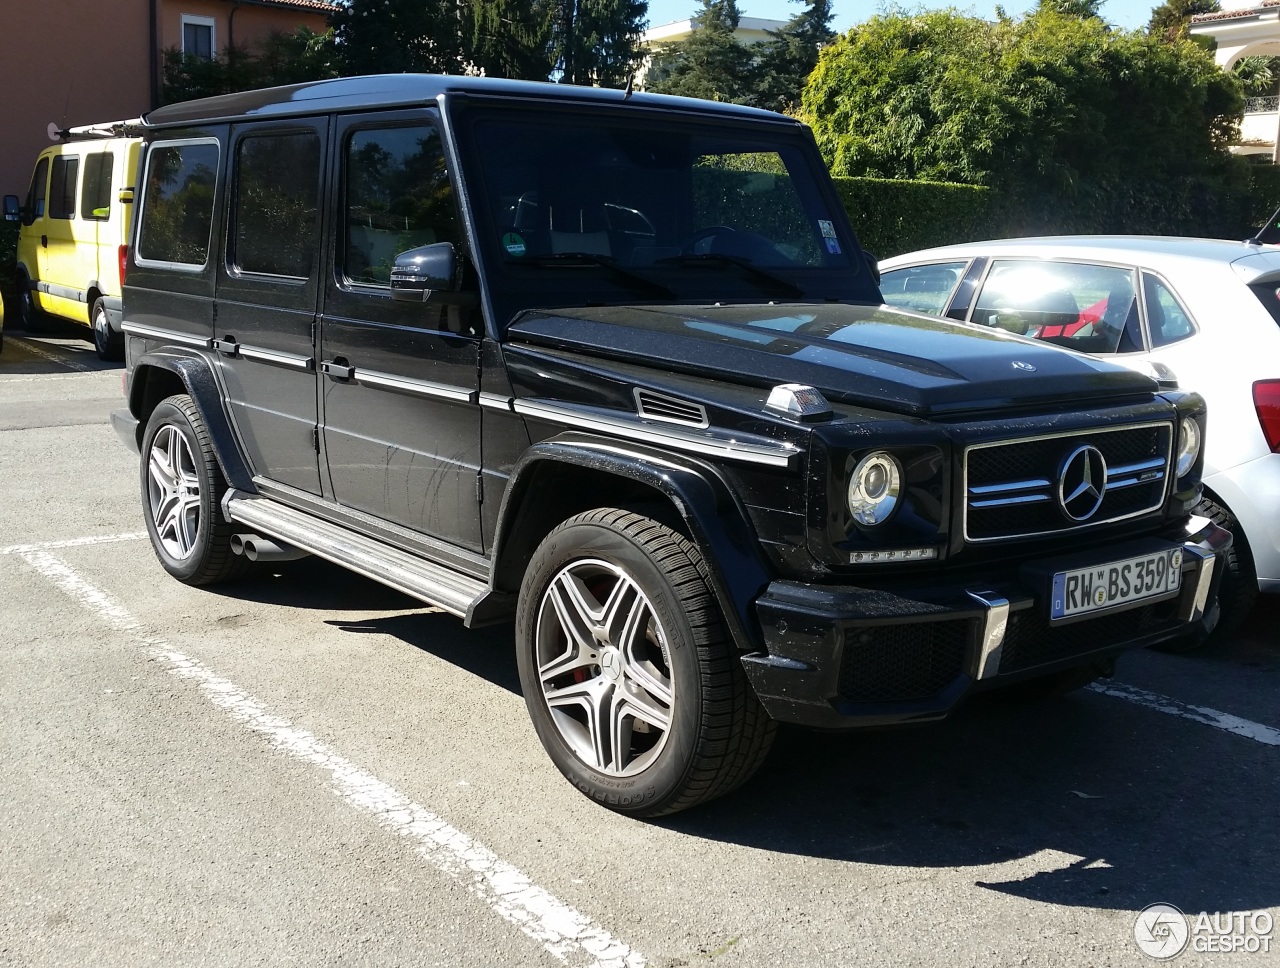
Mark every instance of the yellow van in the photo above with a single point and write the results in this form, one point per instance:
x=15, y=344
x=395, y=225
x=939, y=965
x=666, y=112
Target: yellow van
x=75, y=231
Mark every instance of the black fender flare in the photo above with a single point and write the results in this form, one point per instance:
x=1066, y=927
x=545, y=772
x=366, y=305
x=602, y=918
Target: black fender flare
x=712, y=514
x=196, y=373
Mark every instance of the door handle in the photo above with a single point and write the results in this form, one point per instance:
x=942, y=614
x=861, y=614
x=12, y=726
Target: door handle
x=338, y=369
x=44, y=241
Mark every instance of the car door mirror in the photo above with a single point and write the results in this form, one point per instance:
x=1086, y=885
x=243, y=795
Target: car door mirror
x=418, y=273
x=12, y=208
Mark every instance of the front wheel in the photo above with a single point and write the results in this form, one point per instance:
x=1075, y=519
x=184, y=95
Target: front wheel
x=182, y=486
x=33, y=320
x=629, y=674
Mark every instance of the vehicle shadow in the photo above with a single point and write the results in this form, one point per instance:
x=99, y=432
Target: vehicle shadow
x=59, y=346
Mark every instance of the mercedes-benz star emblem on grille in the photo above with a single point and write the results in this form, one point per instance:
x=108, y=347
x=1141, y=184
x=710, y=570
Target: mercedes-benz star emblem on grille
x=1019, y=365
x=1082, y=483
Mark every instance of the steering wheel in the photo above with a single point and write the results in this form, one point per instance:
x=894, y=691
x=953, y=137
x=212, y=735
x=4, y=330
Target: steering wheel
x=690, y=244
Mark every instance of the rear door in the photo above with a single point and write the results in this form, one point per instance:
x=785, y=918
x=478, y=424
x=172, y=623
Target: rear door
x=267, y=295
x=399, y=380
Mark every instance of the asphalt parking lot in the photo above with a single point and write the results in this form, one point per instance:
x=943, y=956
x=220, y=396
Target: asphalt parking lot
x=307, y=768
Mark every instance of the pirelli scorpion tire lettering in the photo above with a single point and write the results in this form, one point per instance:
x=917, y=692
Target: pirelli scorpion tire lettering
x=630, y=676
x=182, y=486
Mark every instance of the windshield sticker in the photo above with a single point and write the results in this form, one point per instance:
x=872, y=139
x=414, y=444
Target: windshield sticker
x=833, y=246
x=514, y=244
x=828, y=229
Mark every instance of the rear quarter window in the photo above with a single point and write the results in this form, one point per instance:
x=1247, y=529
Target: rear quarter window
x=177, y=205
x=1268, y=294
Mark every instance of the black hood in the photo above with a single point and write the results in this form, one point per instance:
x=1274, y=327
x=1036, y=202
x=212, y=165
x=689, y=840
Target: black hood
x=875, y=356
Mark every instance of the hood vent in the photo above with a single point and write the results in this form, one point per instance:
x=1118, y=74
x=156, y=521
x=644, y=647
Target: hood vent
x=659, y=406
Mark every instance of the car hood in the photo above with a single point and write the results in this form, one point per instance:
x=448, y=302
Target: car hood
x=874, y=356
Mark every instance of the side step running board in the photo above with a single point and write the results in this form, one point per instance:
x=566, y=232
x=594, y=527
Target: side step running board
x=432, y=583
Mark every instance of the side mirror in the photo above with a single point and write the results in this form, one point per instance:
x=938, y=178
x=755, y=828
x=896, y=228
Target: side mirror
x=12, y=208
x=419, y=273
x=873, y=264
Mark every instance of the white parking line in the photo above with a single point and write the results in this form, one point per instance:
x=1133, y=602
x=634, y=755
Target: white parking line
x=72, y=543
x=566, y=933
x=1267, y=735
x=35, y=349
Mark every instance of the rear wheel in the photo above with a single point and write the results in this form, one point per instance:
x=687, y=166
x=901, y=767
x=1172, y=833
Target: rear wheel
x=182, y=487
x=630, y=676
x=108, y=343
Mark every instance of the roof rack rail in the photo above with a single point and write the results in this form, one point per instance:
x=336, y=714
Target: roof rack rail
x=104, y=129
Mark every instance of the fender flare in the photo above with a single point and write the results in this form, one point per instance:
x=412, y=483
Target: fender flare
x=198, y=377
x=708, y=507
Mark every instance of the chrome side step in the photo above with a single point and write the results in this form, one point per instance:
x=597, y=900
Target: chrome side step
x=431, y=583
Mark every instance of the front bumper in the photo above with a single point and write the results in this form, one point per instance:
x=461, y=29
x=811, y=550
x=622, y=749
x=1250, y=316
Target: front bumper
x=841, y=657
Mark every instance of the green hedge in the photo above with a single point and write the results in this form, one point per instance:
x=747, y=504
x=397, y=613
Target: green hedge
x=892, y=216
x=1265, y=194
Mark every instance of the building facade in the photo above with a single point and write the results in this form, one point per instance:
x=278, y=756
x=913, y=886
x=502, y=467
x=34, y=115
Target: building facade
x=1245, y=28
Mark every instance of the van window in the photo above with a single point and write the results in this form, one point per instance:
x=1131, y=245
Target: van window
x=398, y=197
x=177, y=208
x=276, y=204
x=62, y=187
x=95, y=201
x=39, y=189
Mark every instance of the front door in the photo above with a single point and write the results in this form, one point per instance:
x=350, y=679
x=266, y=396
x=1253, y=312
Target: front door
x=398, y=380
x=267, y=295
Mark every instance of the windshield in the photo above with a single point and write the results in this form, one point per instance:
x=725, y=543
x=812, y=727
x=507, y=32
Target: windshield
x=583, y=208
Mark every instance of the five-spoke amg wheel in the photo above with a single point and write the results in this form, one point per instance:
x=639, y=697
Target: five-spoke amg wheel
x=630, y=676
x=181, y=488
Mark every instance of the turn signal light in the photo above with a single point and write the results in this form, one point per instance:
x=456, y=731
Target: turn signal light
x=124, y=263
x=1266, y=400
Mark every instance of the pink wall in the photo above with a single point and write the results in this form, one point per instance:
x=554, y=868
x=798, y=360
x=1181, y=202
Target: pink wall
x=242, y=23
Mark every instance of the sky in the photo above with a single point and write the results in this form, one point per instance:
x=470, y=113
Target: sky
x=1128, y=14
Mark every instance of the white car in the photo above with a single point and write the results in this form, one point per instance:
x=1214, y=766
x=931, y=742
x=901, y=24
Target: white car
x=1209, y=310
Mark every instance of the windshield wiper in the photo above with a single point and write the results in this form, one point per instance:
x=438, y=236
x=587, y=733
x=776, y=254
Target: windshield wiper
x=591, y=258
x=771, y=280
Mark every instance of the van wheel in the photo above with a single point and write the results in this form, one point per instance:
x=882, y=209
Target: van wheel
x=182, y=487
x=108, y=343
x=33, y=320
x=629, y=674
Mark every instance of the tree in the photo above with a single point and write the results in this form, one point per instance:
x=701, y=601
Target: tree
x=788, y=57
x=1170, y=20
x=390, y=36
x=1080, y=9
x=509, y=39
x=710, y=64
x=1258, y=75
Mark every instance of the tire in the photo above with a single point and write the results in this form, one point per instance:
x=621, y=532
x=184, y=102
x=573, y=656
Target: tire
x=33, y=320
x=1237, y=589
x=184, y=520
x=693, y=729
x=108, y=343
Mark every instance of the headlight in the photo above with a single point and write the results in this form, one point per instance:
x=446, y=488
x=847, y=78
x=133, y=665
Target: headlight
x=874, y=488
x=1188, y=446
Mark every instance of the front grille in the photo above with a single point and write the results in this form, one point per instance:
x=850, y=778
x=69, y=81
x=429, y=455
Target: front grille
x=1029, y=639
x=1011, y=488
x=897, y=663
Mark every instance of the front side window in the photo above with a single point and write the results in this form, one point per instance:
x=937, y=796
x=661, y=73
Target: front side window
x=1167, y=321
x=926, y=289
x=1090, y=308
x=62, y=187
x=95, y=202
x=39, y=190
x=276, y=204
x=177, y=207
x=397, y=197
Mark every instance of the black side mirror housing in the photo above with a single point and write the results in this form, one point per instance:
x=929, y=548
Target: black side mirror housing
x=12, y=208
x=873, y=264
x=418, y=274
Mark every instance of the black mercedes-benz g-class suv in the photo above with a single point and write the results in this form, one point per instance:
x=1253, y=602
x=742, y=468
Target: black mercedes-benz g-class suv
x=615, y=368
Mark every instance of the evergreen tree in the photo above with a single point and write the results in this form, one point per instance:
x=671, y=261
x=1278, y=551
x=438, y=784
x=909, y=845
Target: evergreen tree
x=511, y=39
x=710, y=64
x=596, y=41
x=788, y=57
x=391, y=36
x=1169, y=20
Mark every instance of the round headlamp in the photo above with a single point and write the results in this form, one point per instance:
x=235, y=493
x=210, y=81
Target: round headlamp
x=874, y=488
x=1188, y=446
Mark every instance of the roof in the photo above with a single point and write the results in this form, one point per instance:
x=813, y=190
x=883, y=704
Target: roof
x=1202, y=18
x=1112, y=248
x=415, y=90
x=319, y=6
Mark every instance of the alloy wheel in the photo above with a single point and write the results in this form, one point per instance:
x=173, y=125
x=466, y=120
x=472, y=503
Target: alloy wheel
x=173, y=492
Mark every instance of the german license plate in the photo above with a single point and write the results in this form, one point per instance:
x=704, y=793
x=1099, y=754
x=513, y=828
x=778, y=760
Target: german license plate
x=1100, y=587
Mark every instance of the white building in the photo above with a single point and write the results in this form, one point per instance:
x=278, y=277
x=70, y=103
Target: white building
x=1246, y=28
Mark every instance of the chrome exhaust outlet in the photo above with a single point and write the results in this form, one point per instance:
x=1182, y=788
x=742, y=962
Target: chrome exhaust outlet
x=257, y=548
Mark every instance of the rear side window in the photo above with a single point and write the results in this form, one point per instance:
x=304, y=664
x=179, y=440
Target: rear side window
x=62, y=187
x=276, y=204
x=1166, y=319
x=177, y=208
x=95, y=199
x=925, y=289
x=1268, y=294
x=39, y=189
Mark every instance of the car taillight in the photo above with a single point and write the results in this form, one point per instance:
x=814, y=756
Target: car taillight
x=124, y=263
x=1266, y=400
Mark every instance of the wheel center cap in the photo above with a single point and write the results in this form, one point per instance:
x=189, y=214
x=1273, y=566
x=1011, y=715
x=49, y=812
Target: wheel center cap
x=611, y=664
